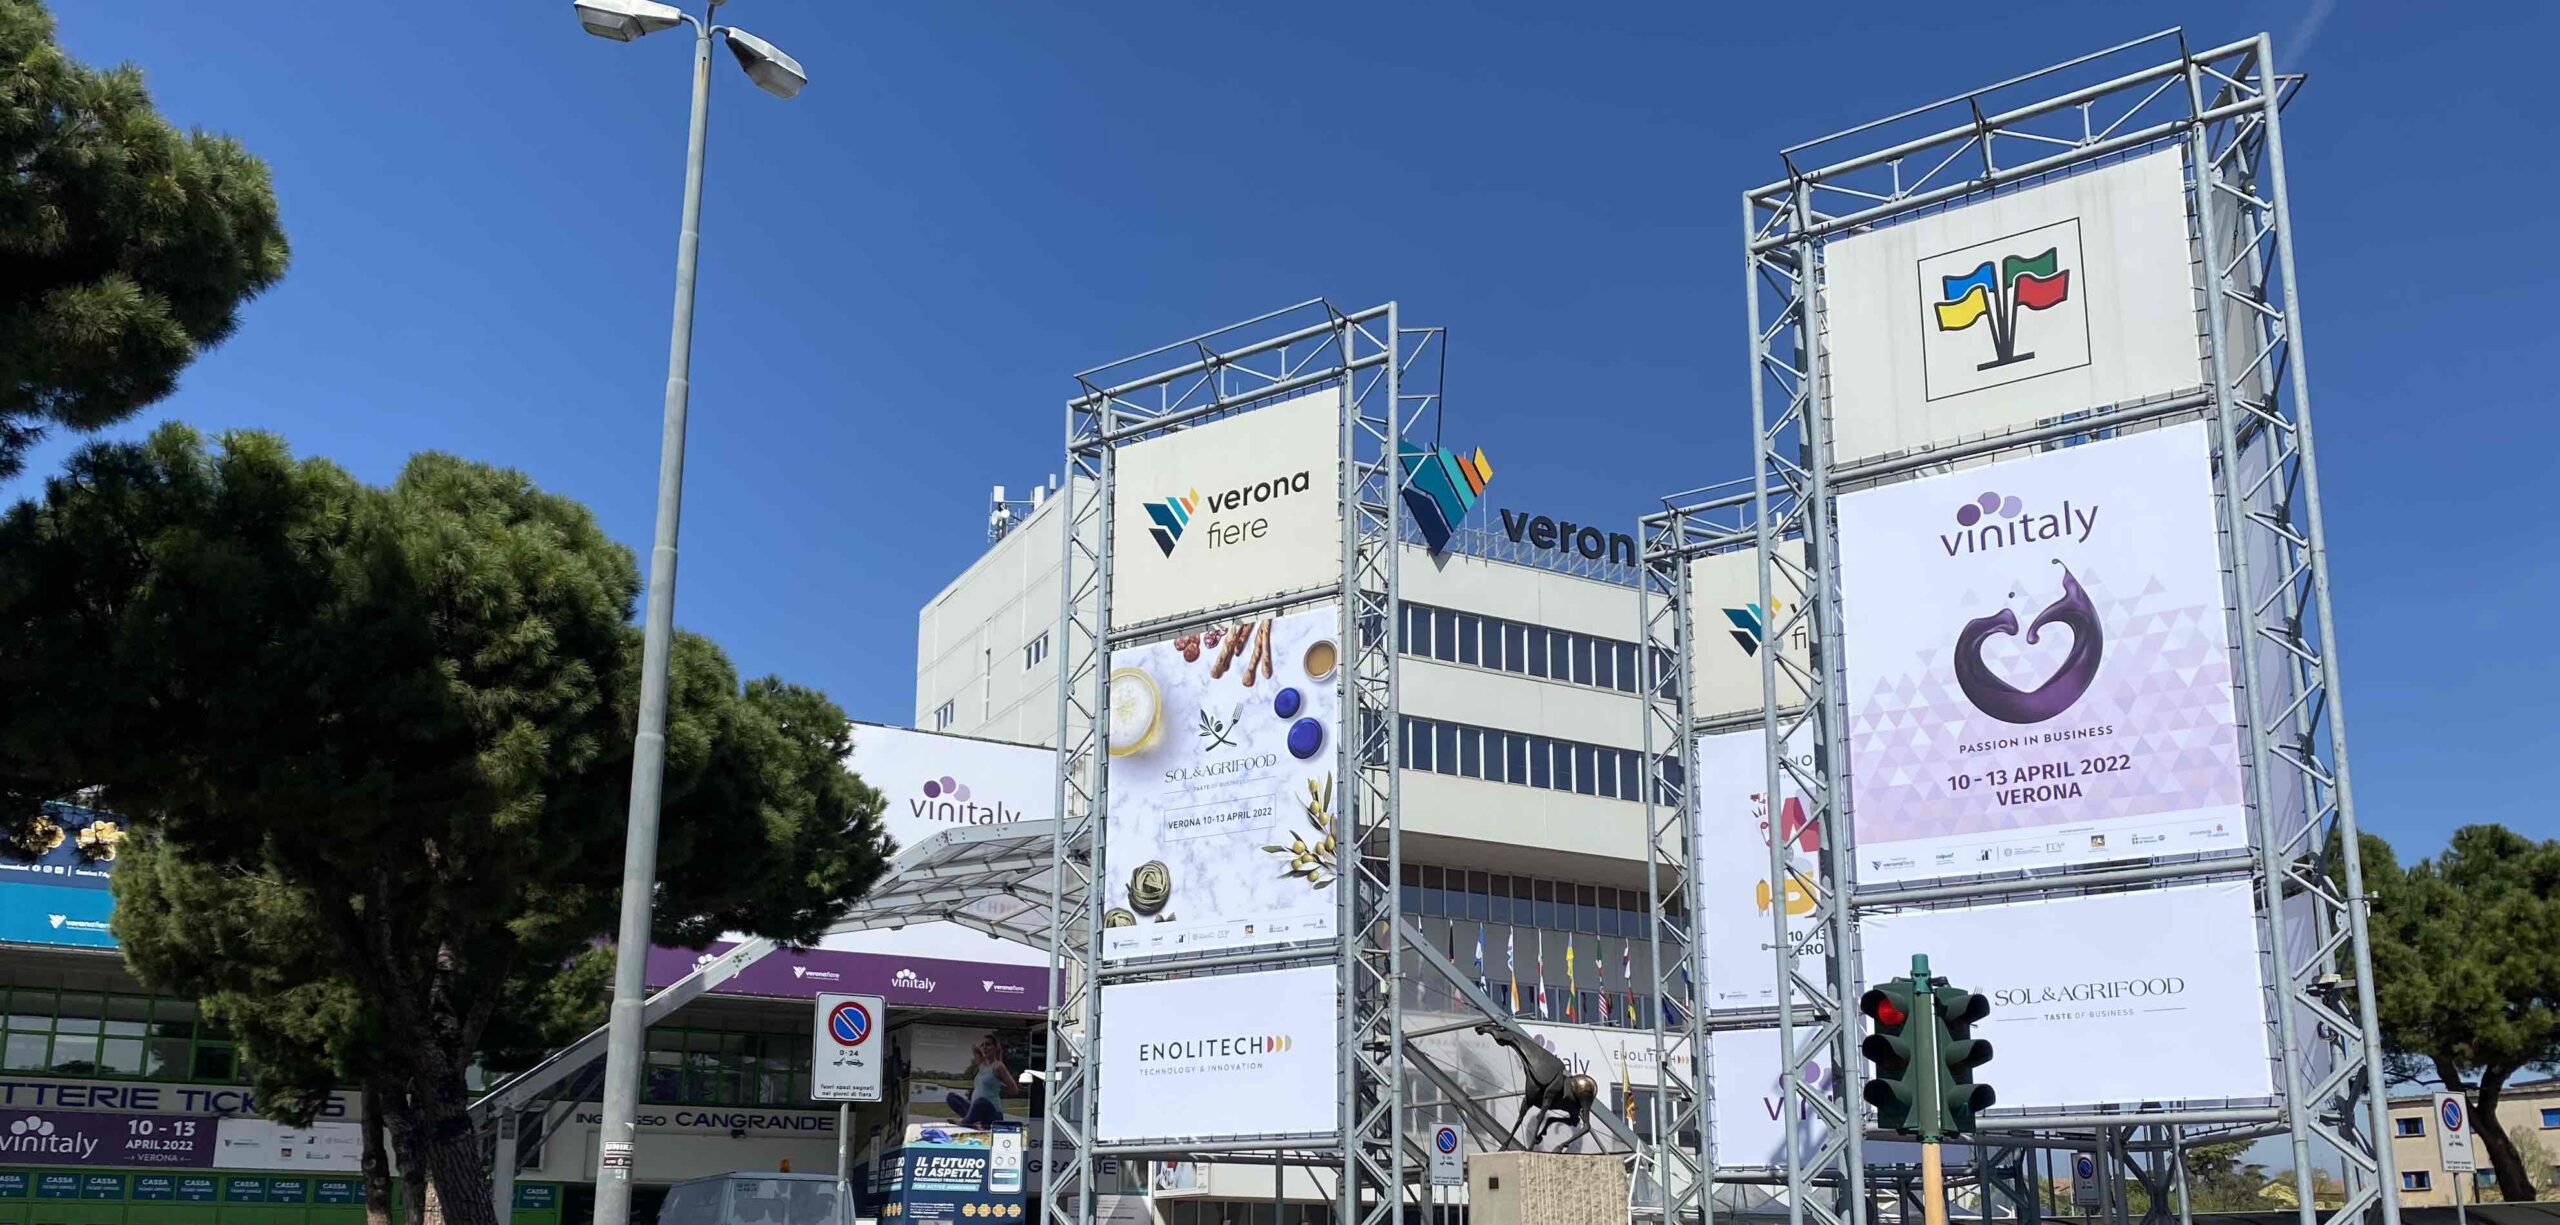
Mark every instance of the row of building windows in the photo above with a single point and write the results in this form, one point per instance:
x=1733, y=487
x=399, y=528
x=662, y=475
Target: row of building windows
x=706, y=1067
x=1521, y=758
x=119, y=1037
x=1517, y=647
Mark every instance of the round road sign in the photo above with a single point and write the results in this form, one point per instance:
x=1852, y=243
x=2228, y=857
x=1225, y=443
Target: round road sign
x=849, y=1023
x=2452, y=1115
x=2084, y=1166
x=1445, y=1139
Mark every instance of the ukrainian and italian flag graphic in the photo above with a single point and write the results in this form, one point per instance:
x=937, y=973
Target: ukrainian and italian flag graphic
x=2035, y=284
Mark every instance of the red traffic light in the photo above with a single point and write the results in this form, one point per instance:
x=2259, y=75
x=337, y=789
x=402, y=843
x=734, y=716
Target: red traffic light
x=1887, y=1013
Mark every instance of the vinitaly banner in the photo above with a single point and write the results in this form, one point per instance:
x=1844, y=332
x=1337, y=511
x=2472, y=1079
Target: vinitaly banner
x=2039, y=664
x=1222, y=788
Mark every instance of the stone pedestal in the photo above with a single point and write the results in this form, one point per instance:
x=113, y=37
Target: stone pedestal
x=1546, y=1189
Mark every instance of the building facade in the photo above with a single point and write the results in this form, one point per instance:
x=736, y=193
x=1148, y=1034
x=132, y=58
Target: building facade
x=2530, y=1113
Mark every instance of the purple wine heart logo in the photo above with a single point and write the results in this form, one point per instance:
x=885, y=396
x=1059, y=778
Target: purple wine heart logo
x=2008, y=703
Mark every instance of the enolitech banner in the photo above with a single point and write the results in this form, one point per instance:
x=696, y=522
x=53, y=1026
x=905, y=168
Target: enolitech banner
x=1219, y=1057
x=1735, y=824
x=2014, y=309
x=1229, y=512
x=2039, y=665
x=1732, y=627
x=1750, y=1099
x=2114, y=998
x=1222, y=796
x=935, y=782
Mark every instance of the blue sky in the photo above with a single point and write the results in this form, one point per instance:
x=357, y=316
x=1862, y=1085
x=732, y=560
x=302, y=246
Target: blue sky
x=903, y=268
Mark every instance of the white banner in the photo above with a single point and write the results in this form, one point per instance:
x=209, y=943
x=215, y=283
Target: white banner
x=1735, y=823
x=2039, y=664
x=2115, y=998
x=1730, y=624
x=935, y=782
x=1749, y=1098
x=1228, y=512
x=2022, y=307
x=262, y=1144
x=1224, y=1056
x=1222, y=794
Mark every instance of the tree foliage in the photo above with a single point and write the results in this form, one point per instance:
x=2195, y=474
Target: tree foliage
x=126, y=247
x=377, y=745
x=2466, y=953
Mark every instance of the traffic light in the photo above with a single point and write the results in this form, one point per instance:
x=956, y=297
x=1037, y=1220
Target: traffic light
x=1924, y=1053
x=1959, y=1053
x=1895, y=1090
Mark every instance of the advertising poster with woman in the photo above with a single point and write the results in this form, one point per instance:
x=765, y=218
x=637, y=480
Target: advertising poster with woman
x=1222, y=790
x=963, y=1077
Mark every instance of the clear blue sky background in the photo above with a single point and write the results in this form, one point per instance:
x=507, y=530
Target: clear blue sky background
x=903, y=267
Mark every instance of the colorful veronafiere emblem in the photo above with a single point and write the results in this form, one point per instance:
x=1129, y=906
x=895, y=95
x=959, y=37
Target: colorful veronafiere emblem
x=2021, y=283
x=1440, y=487
x=1171, y=515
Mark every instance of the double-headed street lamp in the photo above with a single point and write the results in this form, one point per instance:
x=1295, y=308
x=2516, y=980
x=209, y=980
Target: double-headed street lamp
x=780, y=75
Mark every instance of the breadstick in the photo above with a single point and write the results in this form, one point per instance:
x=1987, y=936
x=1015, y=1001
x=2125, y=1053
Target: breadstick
x=1253, y=658
x=1266, y=650
x=1226, y=651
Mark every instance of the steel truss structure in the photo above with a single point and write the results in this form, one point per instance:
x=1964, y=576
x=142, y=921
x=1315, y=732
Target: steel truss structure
x=1366, y=355
x=1388, y=375
x=2220, y=109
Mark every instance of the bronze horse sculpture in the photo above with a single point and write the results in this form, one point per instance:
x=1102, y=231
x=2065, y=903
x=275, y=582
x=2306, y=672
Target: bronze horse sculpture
x=1556, y=1095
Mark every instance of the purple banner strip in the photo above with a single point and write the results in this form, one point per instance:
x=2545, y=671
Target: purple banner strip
x=918, y=982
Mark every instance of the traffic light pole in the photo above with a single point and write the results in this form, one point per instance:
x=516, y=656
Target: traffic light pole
x=1925, y=1062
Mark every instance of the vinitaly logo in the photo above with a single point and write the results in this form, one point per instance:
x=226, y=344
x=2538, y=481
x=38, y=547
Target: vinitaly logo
x=1982, y=296
x=1992, y=521
x=1440, y=487
x=946, y=799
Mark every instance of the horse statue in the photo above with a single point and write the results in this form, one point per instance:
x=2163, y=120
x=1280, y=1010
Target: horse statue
x=1556, y=1095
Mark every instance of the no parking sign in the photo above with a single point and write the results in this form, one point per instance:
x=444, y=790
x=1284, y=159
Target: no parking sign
x=844, y=1053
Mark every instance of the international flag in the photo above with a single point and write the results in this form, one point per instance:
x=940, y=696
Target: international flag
x=1543, y=1014
x=1626, y=1086
x=1482, y=984
x=1570, y=990
x=1511, y=966
x=1627, y=976
x=1600, y=972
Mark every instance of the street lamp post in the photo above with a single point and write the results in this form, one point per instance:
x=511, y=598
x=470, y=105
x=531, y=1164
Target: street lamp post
x=780, y=75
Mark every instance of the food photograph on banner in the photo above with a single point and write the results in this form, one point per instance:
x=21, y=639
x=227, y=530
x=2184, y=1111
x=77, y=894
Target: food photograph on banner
x=2152, y=995
x=2038, y=664
x=1219, y=1056
x=1736, y=822
x=1229, y=512
x=1222, y=795
x=2054, y=299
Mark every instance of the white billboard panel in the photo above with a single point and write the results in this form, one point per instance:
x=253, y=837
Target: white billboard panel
x=2015, y=309
x=935, y=782
x=1230, y=1055
x=1228, y=512
x=1735, y=823
x=1726, y=615
x=2039, y=670
x=1750, y=1098
x=1222, y=795
x=2150, y=996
